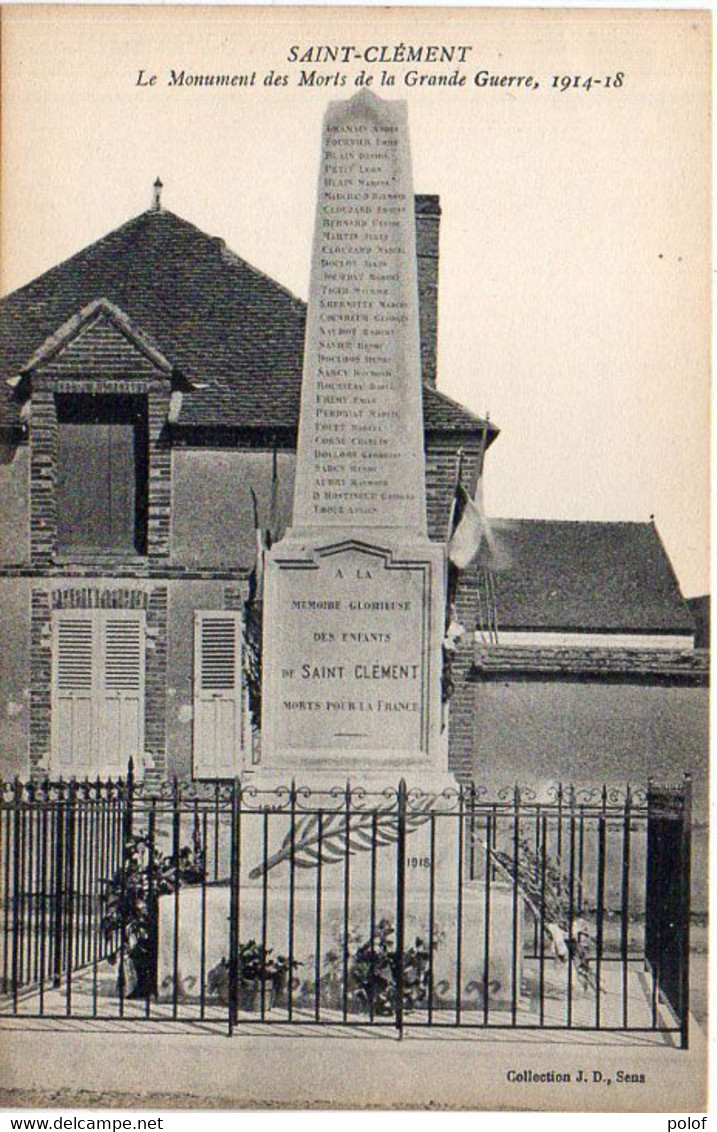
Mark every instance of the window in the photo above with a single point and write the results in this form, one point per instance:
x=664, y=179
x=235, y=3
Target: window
x=217, y=694
x=98, y=691
x=102, y=474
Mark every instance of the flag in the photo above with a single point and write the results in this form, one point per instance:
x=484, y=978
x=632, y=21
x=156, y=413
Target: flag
x=251, y=653
x=468, y=529
x=253, y=613
x=256, y=578
x=469, y=526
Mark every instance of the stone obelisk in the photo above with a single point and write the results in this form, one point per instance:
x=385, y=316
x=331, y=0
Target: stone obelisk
x=354, y=594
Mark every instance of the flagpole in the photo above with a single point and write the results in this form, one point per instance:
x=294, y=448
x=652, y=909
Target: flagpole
x=490, y=596
x=258, y=570
x=484, y=444
x=456, y=481
x=274, y=499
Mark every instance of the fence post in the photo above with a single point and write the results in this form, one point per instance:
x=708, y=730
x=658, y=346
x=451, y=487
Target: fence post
x=59, y=886
x=16, y=866
x=71, y=847
x=686, y=904
x=128, y=813
x=400, y=903
x=625, y=902
x=234, y=865
x=516, y=909
x=600, y=904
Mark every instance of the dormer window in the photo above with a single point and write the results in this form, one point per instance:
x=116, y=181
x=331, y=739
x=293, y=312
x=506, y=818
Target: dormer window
x=101, y=487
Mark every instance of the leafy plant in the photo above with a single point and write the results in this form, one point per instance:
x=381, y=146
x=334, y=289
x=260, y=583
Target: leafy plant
x=374, y=972
x=131, y=906
x=569, y=936
x=256, y=964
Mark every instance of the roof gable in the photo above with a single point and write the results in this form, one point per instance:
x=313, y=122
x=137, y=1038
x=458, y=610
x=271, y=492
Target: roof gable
x=97, y=341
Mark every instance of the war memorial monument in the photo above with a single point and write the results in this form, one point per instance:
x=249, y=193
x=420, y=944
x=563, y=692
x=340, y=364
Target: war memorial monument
x=354, y=624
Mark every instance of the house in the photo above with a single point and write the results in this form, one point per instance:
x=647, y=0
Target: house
x=594, y=663
x=149, y=385
x=593, y=676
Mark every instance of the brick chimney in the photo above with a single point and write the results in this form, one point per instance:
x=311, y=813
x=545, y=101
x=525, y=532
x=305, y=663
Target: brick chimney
x=428, y=225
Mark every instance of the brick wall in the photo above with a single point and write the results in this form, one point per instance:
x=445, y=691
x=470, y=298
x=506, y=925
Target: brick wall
x=160, y=473
x=43, y=601
x=461, y=731
x=428, y=221
x=43, y=470
x=44, y=458
x=155, y=707
x=441, y=467
x=40, y=681
x=88, y=597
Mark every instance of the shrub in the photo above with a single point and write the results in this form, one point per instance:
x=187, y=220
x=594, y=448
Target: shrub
x=374, y=972
x=131, y=906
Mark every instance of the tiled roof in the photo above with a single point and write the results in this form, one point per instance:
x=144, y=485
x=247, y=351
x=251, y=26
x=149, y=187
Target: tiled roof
x=587, y=576
x=224, y=325
x=645, y=665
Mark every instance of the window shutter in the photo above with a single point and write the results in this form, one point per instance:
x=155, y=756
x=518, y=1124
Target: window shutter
x=217, y=694
x=72, y=715
x=98, y=692
x=101, y=474
x=121, y=699
x=122, y=476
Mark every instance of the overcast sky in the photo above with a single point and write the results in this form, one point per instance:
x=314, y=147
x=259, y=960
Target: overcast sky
x=574, y=291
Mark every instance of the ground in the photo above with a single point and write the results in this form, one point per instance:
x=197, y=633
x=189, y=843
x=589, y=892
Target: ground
x=337, y=1068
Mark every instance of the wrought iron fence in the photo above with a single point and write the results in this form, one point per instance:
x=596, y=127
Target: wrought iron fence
x=224, y=903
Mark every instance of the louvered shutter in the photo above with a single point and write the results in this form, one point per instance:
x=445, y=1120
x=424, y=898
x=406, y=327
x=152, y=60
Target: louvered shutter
x=217, y=694
x=73, y=687
x=121, y=694
x=98, y=692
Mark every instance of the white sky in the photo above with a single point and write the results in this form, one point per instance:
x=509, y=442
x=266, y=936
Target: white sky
x=574, y=297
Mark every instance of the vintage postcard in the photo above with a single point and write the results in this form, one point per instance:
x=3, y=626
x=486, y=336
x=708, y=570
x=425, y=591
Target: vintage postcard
x=354, y=558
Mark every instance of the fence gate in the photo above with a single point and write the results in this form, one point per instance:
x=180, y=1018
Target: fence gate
x=667, y=910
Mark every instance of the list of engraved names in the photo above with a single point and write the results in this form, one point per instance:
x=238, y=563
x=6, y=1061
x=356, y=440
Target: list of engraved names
x=360, y=475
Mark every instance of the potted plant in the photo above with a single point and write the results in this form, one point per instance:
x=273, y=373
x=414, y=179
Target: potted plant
x=131, y=908
x=374, y=972
x=260, y=977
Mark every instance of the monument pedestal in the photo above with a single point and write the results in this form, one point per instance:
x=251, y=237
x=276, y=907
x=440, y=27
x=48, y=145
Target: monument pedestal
x=204, y=940
x=351, y=656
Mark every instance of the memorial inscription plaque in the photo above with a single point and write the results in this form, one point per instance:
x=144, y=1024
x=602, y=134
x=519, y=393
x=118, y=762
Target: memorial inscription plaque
x=354, y=664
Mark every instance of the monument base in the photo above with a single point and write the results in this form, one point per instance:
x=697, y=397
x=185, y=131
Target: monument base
x=464, y=963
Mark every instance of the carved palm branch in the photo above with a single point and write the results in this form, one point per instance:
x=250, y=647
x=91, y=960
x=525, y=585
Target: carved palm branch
x=329, y=837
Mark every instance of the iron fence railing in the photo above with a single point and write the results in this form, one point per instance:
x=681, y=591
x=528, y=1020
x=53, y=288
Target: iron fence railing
x=221, y=902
